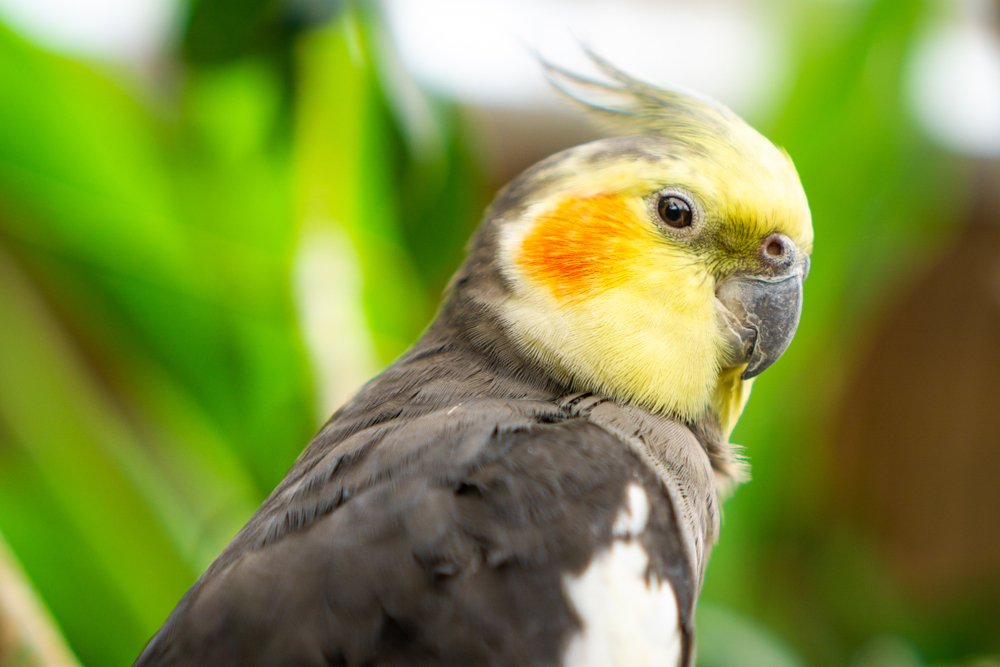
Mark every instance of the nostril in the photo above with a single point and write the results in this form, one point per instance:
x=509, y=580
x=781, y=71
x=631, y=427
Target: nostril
x=778, y=251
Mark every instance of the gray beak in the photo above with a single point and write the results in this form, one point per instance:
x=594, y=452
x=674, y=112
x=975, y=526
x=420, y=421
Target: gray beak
x=761, y=315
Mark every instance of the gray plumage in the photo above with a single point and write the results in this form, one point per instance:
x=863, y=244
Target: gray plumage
x=434, y=517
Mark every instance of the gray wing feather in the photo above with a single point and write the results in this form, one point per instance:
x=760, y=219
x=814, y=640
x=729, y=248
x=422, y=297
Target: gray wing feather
x=436, y=538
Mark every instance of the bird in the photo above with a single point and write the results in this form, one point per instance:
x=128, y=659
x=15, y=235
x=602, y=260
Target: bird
x=538, y=479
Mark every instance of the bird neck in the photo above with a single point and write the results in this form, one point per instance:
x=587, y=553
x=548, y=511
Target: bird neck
x=469, y=324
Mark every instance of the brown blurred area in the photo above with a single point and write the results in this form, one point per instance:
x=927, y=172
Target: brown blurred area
x=918, y=446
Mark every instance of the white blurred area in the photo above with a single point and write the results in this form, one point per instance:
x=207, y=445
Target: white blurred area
x=481, y=52
x=955, y=79
x=129, y=32
x=484, y=55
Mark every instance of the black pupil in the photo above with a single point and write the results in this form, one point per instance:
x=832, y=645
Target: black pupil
x=675, y=212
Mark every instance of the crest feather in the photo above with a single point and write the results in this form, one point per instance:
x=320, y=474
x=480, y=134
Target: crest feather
x=639, y=107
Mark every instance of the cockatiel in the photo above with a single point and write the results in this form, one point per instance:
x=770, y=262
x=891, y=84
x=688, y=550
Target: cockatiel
x=537, y=480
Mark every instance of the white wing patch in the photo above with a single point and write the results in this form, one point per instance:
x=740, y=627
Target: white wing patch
x=632, y=519
x=627, y=620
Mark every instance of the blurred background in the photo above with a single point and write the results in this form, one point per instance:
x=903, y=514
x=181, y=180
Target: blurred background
x=219, y=217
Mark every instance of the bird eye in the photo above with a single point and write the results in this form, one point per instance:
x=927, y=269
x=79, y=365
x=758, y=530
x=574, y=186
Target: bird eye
x=674, y=211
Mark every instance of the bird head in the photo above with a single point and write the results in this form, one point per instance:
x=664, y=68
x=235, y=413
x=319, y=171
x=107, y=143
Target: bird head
x=662, y=268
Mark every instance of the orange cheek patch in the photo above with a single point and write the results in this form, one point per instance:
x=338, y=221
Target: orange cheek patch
x=582, y=246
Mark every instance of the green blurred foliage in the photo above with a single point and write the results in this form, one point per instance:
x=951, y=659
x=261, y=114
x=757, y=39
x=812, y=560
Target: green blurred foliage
x=155, y=384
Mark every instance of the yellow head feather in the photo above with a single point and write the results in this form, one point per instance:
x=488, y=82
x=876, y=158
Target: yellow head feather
x=607, y=296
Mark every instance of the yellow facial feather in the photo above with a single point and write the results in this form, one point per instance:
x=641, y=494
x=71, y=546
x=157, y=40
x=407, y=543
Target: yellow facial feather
x=607, y=301
x=607, y=296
